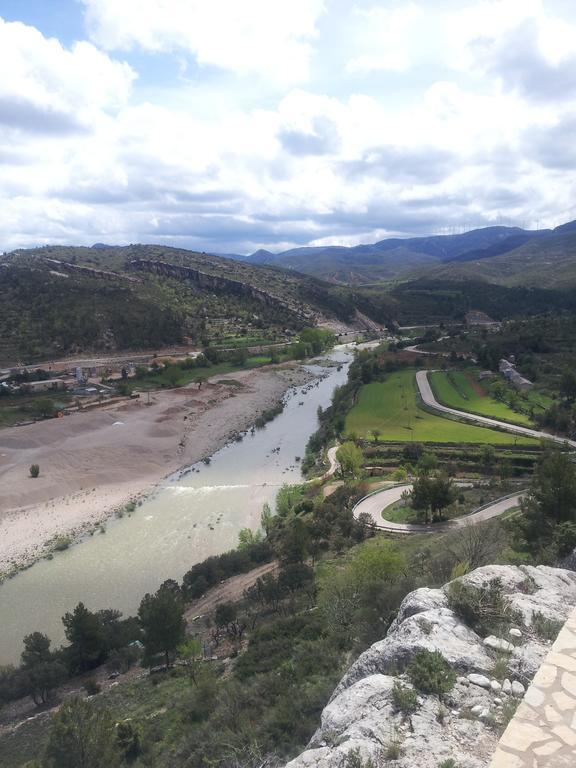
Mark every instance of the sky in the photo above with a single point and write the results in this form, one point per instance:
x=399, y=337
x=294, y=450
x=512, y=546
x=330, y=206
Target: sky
x=228, y=126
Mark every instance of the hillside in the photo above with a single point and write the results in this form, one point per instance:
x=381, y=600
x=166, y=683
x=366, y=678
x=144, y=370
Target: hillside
x=62, y=300
x=393, y=258
x=544, y=262
x=506, y=256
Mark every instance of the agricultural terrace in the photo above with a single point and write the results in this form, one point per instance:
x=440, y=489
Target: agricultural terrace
x=462, y=390
x=391, y=409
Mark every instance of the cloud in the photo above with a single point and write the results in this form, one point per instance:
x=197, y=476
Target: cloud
x=47, y=88
x=225, y=154
x=268, y=38
x=385, y=38
x=521, y=43
x=321, y=140
x=553, y=146
x=412, y=164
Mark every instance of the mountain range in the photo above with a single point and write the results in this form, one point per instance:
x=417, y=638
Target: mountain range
x=503, y=255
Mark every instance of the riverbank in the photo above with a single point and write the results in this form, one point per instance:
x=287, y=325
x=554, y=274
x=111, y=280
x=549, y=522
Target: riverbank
x=94, y=464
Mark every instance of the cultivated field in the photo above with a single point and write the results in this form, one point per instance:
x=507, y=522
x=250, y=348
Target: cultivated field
x=391, y=408
x=461, y=390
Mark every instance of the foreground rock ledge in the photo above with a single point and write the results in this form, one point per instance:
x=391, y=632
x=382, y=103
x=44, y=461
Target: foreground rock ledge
x=359, y=719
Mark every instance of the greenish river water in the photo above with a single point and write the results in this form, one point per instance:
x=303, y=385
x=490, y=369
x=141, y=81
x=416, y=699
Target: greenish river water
x=196, y=513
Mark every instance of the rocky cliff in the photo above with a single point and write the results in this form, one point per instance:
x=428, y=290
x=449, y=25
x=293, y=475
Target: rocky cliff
x=378, y=714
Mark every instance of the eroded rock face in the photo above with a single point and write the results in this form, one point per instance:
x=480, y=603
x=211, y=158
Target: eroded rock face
x=360, y=716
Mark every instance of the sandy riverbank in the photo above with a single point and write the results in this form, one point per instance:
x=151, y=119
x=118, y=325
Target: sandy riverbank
x=94, y=463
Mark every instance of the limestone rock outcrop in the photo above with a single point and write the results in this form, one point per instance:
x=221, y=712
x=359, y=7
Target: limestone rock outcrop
x=360, y=723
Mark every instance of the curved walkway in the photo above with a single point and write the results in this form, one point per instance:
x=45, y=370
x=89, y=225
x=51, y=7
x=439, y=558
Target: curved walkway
x=429, y=399
x=376, y=503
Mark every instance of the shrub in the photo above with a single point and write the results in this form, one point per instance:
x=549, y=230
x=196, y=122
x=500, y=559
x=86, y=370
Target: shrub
x=404, y=699
x=34, y=470
x=484, y=609
x=545, y=628
x=62, y=543
x=450, y=763
x=430, y=673
x=91, y=686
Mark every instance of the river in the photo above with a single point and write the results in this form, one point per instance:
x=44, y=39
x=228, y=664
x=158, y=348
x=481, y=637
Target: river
x=194, y=514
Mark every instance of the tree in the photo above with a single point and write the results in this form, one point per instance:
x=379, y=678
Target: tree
x=34, y=470
x=266, y=518
x=247, y=537
x=82, y=736
x=554, y=486
x=44, y=407
x=190, y=653
x=350, y=458
x=431, y=494
x=42, y=679
x=488, y=457
x=162, y=618
x=568, y=386
x=85, y=633
x=36, y=649
x=172, y=374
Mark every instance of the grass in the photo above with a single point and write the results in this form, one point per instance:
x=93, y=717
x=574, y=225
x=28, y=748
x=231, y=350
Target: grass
x=459, y=389
x=401, y=512
x=17, y=408
x=391, y=407
x=154, y=381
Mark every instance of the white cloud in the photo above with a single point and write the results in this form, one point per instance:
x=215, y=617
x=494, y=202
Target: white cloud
x=386, y=38
x=269, y=38
x=47, y=88
x=462, y=139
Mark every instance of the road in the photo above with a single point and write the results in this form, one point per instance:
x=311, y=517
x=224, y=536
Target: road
x=428, y=399
x=374, y=504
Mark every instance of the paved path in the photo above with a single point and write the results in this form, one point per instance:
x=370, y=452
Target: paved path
x=374, y=504
x=428, y=398
x=542, y=733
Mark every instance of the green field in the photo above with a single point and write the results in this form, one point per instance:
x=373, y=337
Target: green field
x=456, y=390
x=391, y=407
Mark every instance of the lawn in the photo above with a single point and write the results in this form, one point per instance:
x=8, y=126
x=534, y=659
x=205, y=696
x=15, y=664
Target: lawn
x=461, y=390
x=391, y=408
x=469, y=499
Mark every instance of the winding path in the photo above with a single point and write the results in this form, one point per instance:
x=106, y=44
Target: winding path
x=428, y=399
x=375, y=503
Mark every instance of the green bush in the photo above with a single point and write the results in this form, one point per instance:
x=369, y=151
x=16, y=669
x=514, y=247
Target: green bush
x=544, y=628
x=486, y=610
x=404, y=699
x=34, y=470
x=430, y=673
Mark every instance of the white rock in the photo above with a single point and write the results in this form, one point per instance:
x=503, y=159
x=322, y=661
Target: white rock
x=360, y=715
x=498, y=644
x=518, y=689
x=495, y=686
x=515, y=632
x=481, y=680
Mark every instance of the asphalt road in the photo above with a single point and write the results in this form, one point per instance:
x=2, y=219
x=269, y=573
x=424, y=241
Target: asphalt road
x=428, y=398
x=374, y=504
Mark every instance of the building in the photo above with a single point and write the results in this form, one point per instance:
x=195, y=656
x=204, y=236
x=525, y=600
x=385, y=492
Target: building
x=508, y=370
x=48, y=385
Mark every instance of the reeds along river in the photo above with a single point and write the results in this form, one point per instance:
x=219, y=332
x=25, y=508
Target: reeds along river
x=196, y=513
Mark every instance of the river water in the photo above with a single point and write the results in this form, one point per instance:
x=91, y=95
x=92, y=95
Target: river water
x=196, y=513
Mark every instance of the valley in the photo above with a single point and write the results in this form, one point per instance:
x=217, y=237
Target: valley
x=251, y=471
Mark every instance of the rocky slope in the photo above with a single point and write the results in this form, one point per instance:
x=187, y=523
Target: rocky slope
x=360, y=727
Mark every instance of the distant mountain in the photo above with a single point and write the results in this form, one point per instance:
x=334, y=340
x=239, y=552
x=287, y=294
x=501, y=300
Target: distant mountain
x=393, y=258
x=547, y=261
